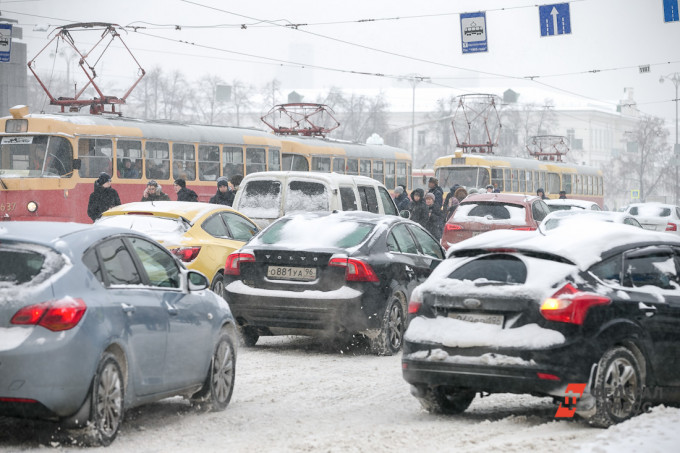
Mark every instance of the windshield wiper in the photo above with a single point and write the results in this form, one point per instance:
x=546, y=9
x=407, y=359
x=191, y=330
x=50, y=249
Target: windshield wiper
x=4, y=186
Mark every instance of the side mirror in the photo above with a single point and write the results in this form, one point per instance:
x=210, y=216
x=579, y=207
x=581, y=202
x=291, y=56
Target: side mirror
x=405, y=214
x=76, y=164
x=197, y=281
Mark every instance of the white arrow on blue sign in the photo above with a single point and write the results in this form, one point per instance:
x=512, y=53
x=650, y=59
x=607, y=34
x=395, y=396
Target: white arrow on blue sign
x=554, y=19
x=5, y=42
x=670, y=11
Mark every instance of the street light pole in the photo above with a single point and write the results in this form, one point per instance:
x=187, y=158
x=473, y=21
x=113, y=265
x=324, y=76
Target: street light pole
x=675, y=78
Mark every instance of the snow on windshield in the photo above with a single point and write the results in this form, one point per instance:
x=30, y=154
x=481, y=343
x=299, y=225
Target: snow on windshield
x=309, y=232
x=490, y=213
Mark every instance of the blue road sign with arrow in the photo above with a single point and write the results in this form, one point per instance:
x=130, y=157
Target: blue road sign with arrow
x=555, y=19
x=670, y=11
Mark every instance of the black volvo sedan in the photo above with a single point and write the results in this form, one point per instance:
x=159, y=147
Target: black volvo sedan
x=593, y=307
x=331, y=275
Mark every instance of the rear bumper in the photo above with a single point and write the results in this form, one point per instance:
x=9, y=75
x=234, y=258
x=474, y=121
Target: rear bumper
x=325, y=313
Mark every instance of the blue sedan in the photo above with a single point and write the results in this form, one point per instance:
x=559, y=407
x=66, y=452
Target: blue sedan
x=96, y=320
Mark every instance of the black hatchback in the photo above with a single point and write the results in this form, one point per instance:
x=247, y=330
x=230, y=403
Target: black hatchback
x=593, y=308
x=332, y=275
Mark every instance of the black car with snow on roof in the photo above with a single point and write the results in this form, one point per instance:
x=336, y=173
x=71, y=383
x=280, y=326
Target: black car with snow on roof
x=516, y=312
x=331, y=275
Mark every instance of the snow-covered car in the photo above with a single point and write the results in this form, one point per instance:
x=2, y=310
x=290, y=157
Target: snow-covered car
x=567, y=204
x=656, y=216
x=96, y=320
x=330, y=275
x=565, y=218
x=518, y=312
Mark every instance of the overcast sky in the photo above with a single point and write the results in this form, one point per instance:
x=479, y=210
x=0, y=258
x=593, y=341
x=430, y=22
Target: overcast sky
x=609, y=41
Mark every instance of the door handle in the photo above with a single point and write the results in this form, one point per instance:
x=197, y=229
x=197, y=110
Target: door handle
x=127, y=308
x=648, y=310
x=171, y=309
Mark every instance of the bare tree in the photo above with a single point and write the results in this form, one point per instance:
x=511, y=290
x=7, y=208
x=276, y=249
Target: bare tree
x=523, y=121
x=241, y=95
x=271, y=95
x=206, y=107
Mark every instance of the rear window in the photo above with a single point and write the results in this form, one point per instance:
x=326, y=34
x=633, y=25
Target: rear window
x=30, y=264
x=160, y=228
x=306, y=196
x=494, y=268
x=650, y=211
x=261, y=199
x=306, y=232
x=491, y=211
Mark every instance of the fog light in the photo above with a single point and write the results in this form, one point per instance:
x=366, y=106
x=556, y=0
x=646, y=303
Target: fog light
x=32, y=206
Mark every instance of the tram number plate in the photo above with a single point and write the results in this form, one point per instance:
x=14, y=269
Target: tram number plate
x=478, y=317
x=291, y=273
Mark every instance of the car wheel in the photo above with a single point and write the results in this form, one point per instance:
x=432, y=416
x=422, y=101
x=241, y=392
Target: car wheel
x=218, y=285
x=219, y=384
x=249, y=336
x=618, y=387
x=392, y=328
x=107, y=409
x=446, y=400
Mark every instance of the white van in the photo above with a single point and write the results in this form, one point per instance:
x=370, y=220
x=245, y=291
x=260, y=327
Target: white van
x=266, y=196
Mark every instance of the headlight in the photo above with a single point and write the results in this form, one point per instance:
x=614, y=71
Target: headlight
x=32, y=206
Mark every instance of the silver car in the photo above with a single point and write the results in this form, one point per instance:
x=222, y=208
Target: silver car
x=95, y=320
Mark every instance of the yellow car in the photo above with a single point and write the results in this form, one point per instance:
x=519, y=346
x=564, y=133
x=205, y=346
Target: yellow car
x=201, y=235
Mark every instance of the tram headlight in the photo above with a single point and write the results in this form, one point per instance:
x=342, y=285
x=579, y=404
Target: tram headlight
x=32, y=206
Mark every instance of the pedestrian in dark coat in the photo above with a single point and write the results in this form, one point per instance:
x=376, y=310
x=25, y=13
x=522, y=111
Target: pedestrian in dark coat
x=223, y=195
x=401, y=200
x=437, y=191
x=103, y=198
x=184, y=194
x=458, y=195
x=154, y=192
x=541, y=193
x=418, y=208
x=435, y=217
x=449, y=196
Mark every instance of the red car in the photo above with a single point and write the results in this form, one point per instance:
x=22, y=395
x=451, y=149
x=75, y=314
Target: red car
x=493, y=211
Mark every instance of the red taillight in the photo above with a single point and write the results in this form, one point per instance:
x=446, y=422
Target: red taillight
x=186, y=254
x=524, y=228
x=671, y=227
x=570, y=305
x=414, y=307
x=355, y=270
x=233, y=264
x=452, y=227
x=63, y=314
x=547, y=377
x=17, y=400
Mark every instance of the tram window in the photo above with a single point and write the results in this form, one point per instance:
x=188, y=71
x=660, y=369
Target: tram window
x=157, y=160
x=255, y=160
x=208, y=162
x=339, y=165
x=515, y=181
x=522, y=181
x=321, y=164
x=401, y=173
x=96, y=156
x=497, y=178
x=294, y=162
x=566, y=183
x=389, y=175
x=183, y=161
x=232, y=159
x=352, y=166
x=553, y=185
x=129, y=159
x=378, y=166
x=530, y=181
x=365, y=168
x=274, y=160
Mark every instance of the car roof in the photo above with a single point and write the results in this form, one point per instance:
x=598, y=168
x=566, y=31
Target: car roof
x=326, y=177
x=359, y=216
x=189, y=210
x=500, y=197
x=582, y=244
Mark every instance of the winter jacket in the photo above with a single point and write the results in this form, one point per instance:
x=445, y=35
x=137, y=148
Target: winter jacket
x=185, y=194
x=458, y=196
x=435, y=222
x=226, y=198
x=419, y=210
x=438, y=193
x=162, y=196
x=101, y=199
x=402, y=201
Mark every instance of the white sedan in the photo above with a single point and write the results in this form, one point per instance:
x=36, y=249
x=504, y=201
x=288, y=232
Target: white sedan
x=656, y=216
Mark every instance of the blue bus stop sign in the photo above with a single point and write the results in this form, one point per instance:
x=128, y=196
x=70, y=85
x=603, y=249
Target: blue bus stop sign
x=670, y=11
x=5, y=42
x=473, y=32
x=554, y=19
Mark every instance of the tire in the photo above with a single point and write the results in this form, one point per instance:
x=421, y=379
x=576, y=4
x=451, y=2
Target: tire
x=219, y=383
x=618, y=387
x=218, y=285
x=107, y=408
x=446, y=400
x=392, y=327
x=249, y=336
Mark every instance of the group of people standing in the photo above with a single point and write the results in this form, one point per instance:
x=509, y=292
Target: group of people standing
x=105, y=197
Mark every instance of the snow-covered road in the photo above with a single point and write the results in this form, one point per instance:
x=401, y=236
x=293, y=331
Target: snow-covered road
x=292, y=395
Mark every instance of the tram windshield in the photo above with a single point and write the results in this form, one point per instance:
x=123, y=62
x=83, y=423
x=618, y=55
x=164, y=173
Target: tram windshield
x=464, y=176
x=34, y=156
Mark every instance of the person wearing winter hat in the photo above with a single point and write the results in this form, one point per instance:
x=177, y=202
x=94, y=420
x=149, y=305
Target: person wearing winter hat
x=154, y=192
x=103, y=198
x=418, y=209
x=184, y=194
x=438, y=192
x=435, y=218
x=223, y=195
x=401, y=198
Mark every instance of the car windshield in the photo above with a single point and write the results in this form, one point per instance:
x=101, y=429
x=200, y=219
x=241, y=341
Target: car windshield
x=164, y=229
x=326, y=231
x=27, y=264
